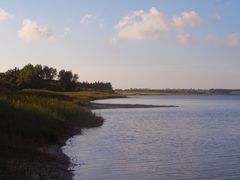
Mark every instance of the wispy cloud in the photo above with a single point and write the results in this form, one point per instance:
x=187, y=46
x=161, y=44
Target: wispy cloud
x=31, y=30
x=230, y=41
x=87, y=19
x=211, y=38
x=4, y=15
x=141, y=25
x=185, y=39
x=233, y=40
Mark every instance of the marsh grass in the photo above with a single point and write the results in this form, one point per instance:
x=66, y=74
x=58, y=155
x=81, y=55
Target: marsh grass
x=30, y=118
x=43, y=115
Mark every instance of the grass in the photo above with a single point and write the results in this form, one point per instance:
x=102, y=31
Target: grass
x=31, y=118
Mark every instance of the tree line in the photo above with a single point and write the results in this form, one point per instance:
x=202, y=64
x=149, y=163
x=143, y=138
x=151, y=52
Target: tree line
x=96, y=85
x=183, y=91
x=44, y=77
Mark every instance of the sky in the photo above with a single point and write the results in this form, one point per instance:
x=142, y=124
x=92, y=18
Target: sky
x=132, y=44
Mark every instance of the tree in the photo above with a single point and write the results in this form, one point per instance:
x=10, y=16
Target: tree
x=49, y=73
x=12, y=75
x=67, y=80
x=39, y=76
x=96, y=86
x=31, y=76
x=75, y=78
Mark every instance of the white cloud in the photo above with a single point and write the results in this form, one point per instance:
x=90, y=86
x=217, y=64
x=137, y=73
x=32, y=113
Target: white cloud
x=186, y=19
x=233, y=40
x=31, y=30
x=185, y=39
x=141, y=25
x=4, y=15
x=87, y=19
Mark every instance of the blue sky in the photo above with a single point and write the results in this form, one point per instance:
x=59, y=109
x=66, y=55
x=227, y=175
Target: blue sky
x=142, y=44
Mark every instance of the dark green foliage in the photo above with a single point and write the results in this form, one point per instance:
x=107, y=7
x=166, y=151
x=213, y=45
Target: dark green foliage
x=67, y=80
x=41, y=115
x=96, y=85
x=44, y=77
x=30, y=76
x=49, y=73
x=12, y=75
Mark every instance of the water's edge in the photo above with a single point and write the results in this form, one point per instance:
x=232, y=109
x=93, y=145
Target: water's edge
x=200, y=132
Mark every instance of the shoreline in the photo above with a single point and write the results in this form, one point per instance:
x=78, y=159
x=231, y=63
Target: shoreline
x=64, y=160
x=45, y=159
x=95, y=106
x=36, y=153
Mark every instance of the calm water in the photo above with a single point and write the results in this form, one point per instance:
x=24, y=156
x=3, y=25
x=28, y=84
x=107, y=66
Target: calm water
x=198, y=140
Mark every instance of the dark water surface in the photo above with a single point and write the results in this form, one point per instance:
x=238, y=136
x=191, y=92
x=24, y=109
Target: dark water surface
x=198, y=140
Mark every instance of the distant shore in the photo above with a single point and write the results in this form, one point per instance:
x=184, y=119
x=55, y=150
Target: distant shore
x=179, y=92
x=118, y=106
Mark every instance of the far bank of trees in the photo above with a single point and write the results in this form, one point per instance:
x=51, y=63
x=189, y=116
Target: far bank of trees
x=182, y=91
x=96, y=85
x=44, y=77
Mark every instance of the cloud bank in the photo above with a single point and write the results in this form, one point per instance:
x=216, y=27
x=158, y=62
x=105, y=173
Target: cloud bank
x=31, y=30
x=141, y=25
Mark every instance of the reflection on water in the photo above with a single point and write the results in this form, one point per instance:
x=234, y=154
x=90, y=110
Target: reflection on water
x=198, y=140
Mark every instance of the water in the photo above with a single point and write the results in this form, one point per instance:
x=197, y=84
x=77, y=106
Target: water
x=200, y=139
